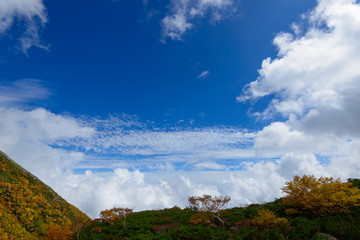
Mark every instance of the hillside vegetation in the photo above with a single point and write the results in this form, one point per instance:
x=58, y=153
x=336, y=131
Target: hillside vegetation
x=29, y=209
x=312, y=209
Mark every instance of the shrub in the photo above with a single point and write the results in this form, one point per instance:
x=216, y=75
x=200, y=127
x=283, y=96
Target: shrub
x=303, y=228
x=276, y=206
x=268, y=219
x=321, y=197
x=164, y=227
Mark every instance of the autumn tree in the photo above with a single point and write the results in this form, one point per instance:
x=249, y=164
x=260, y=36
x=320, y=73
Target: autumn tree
x=115, y=215
x=320, y=196
x=268, y=219
x=208, y=209
x=56, y=232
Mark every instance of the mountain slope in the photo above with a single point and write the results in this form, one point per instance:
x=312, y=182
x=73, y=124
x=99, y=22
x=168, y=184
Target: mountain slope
x=29, y=209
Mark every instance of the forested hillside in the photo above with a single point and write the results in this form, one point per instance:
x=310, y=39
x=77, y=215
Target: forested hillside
x=29, y=209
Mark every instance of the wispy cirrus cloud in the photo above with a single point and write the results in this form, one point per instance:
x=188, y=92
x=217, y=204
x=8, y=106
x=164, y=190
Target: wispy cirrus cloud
x=183, y=14
x=23, y=91
x=204, y=74
x=30, y=13
x=141, y=143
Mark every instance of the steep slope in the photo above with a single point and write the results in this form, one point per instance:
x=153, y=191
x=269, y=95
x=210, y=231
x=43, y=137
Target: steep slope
x=29, y=209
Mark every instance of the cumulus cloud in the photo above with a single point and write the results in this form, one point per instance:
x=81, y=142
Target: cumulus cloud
x=153, y=190
x=279, y=138
x=29, y=137
x=316, y=77
x=183, y=13
x=313, y=83
x=317, y=70
x=31, y=13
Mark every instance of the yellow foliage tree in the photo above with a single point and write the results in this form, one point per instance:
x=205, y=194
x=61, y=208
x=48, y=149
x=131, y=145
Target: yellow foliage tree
x=320, y=196
x=268, y=219
x=208, y=208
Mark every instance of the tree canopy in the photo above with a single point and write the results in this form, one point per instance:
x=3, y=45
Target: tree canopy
x=320, y=196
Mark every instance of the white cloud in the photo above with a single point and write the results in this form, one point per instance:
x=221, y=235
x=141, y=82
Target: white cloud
x=210, y=165
x=29, y=136
x=31, y=13
x=48, y=145
x=151, y=190
x=279, y=138
x=185, y=12
x=22, y=92
x=316, y=79
x=204, y=74
x=317, y=70
x=164, y=145
x=314, y=82
x=291, y=165
x=53, y=146
x=35, y=140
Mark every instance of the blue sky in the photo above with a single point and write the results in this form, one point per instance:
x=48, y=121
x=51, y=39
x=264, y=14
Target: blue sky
x=144, y=103
x=106, y=57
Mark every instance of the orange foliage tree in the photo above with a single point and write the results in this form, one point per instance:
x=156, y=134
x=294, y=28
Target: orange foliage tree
x=115, y=215
x=56, y=232
x=320, y=196
x=208, y=208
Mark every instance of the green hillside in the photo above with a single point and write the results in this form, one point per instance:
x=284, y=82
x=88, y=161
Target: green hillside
x=313, y=209
x=241, y=224
x=29, y=209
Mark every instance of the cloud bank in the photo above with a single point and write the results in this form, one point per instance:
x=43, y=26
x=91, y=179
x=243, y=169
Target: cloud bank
x=120, y=160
